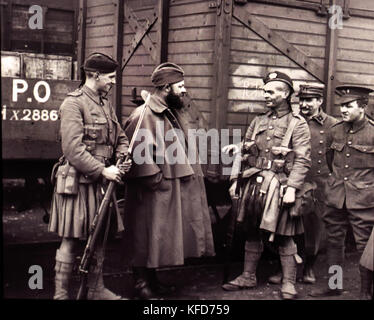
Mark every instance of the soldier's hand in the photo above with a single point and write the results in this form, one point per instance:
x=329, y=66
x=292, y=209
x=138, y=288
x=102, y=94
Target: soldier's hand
x=126, y=166
x=289, y=196
x=232, y=189
x=112, y=173
x=231, y=148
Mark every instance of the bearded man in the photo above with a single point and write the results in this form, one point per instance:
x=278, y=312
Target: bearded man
x=166, y=209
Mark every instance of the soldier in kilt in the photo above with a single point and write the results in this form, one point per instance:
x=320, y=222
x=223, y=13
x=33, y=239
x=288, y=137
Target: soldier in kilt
x=91, y=138
x=275, y=161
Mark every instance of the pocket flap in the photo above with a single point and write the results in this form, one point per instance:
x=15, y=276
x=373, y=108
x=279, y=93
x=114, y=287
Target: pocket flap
x=362, y=148
x=337, y=146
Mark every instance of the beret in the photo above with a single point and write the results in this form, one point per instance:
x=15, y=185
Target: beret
x=100, y=62
x=167, y=73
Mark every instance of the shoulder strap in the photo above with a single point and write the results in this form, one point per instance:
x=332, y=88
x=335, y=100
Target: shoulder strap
x=287, y=137
x=255, y=129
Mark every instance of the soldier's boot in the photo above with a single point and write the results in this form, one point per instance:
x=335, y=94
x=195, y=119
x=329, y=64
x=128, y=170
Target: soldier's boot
x=335, y=256
x=156, y=285
x=142, y=287
x=63, y=268
x=248, y=278
x=95, y=281
x=308, y=273
x=289, y=269
x=366, y=284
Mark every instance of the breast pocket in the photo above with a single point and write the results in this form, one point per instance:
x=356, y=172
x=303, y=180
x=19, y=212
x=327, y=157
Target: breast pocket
x=97, y=131
x=362, y=156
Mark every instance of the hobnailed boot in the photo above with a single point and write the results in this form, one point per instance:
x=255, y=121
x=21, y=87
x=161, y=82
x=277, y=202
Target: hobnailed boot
x=95, y=281
x=156, y=285
x=289, y=270
x=366, y=284
x=142, y=287
x=335, y=256
x=308, y=273
x=276, y=278
x=248, y=278
x=63, y=269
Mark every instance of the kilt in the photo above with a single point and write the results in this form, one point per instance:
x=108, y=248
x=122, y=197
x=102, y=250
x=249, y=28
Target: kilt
x=72, y=215
x=262, y=210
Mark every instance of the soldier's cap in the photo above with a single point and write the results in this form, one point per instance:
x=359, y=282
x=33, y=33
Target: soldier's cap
x=279, y=76
x=349, y=93
x=310, y=91
x=100, y=62
x=167, y=73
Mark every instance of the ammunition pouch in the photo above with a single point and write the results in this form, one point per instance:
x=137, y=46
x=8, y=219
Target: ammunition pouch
x=55, y=168
x=67, y=179
x=305, y=200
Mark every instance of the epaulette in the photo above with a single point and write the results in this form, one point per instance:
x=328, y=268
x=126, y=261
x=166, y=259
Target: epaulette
x=76, y=93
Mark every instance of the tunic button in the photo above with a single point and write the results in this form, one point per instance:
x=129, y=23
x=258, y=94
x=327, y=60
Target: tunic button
x=345, y=178
x=110, y=130
x=349, y=142
x=350, y=131
x=271, y=127
x=320, y=152
x=346, y=166
x=318, y=171
x=274, y=117
x=267, y=138
x=319, y=161
x=267, y=150
x=322, y=132
x=321, y=142
x=348, y=154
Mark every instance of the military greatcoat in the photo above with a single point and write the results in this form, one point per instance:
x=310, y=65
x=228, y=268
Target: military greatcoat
x=90, y=136
x=166, y=210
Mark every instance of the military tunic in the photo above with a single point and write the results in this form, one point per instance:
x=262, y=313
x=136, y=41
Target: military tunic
x=319, y=127
x=271, y=129
x=90, y=136
x=350, y=188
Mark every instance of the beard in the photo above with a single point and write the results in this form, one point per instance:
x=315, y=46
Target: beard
x=174, y=101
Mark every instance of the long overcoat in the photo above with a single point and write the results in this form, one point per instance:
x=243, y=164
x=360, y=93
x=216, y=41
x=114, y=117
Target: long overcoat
x=166, y=210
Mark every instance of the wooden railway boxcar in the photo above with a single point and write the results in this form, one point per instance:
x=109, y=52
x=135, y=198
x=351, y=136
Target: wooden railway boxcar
x=225, y=47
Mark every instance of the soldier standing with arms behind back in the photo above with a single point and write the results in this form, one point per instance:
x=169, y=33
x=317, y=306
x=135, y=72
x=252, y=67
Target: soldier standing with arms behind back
x=90, y=136
x=277, y=158
x=350, y=188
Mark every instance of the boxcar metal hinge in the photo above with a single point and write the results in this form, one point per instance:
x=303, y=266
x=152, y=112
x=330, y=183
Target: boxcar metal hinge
x=141, y=35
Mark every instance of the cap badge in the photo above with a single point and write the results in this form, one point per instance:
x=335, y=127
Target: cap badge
x=273, y=75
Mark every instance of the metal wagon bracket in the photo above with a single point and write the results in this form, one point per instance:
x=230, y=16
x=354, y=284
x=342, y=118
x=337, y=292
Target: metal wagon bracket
x=141, y=35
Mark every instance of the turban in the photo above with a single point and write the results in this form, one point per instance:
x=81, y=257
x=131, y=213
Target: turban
x=167, y=73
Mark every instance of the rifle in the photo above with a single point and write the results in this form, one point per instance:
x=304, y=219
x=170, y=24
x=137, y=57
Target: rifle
x=101, y=216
